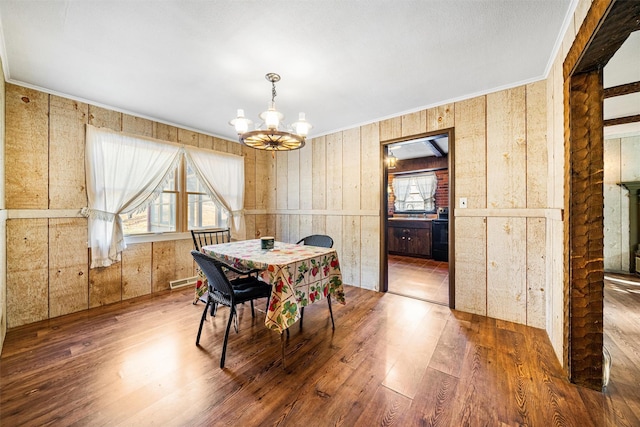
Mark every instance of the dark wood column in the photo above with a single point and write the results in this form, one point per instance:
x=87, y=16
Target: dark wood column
x=586, y=207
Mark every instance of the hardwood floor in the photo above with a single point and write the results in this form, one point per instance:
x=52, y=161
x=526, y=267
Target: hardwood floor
x=390, y=361
x=421, y=278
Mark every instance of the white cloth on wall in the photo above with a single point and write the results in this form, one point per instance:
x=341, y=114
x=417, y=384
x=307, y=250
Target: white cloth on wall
x=124, y=172
x=223, y=175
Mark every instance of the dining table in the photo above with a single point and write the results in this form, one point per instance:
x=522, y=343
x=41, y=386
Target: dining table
x=299, y=275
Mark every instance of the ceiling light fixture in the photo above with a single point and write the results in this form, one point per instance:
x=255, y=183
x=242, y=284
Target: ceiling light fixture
x=272, y=134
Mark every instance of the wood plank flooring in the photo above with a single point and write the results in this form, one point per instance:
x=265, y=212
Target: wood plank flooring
x=420, y=278
x=390, y=361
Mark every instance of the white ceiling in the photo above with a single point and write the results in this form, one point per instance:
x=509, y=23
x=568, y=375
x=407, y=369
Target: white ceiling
x=344, y=63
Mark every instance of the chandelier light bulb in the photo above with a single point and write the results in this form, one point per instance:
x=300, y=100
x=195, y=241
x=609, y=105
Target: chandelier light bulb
x=302, y=126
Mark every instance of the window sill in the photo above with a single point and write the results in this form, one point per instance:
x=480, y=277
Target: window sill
x=159, y=237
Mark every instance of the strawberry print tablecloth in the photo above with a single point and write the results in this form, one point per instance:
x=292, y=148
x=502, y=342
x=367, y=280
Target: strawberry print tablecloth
x=300, y=275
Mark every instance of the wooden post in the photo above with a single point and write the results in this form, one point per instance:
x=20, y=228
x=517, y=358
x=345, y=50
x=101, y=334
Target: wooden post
x=586, y=224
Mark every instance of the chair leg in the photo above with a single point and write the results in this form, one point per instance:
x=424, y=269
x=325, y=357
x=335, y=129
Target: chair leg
x=333, y=325
x=301, y=316
x=204, y=316
x=253, y=314
x=214, y=308
x=226, y=336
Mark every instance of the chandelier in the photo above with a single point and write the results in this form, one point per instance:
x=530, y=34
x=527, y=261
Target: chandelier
x=272, y=134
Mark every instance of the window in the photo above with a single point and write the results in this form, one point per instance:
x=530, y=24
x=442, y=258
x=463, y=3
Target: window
x=165, y=212
x=415, y=193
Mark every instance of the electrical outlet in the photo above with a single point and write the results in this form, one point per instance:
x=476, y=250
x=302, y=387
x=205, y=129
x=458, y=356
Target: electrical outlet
x=463, y=202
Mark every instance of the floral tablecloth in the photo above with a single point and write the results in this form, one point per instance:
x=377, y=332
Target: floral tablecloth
x=300, y=275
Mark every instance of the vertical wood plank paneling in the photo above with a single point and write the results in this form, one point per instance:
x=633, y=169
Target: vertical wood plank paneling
x=293, y=179
x=294, y=228
x=27, y=271
x=282, y=181
x=506, y=149
x=470, y=157
x=306, y=225
x=506, y=269
x=250, y=226
x=136, y=270
x=187, y=137
x=271, y=182
x=235, y=148
x=165, y=132
x=370, y=167
x=265, y=180
x=334, y=171
x=271, y=225
x=103, y=118
x=105, y=285
x=261, y=226
x=249, y=155
x=205, y=141
x=319, y=170
x=536, y=265
x=137, y=125
x=333, y=228
x=537, y=166
x=441, y=117
x=351, y=169
x=163, y=265
x=68, y=266
x=282, y=228
x=390, y=128
x=471, y=264
x=613, y=206
x=630, y=158
x=26, y=131
x=350, y=254
x=185, y=265
x=370, y=252
x=306, y=177
x=67, y=121
x=221, y=145
x=319, y=224
x=414, y=123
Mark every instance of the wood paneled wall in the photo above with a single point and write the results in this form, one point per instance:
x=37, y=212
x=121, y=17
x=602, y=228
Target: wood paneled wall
x=3, y=218
x=621, y=164
x=48, y=271
x=500, y=167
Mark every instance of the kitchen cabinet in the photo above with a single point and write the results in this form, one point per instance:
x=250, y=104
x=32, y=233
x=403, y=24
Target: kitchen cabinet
x=409, y=237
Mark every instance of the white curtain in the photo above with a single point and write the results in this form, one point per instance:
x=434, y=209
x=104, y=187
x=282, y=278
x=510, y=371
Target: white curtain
x=223, y=175
x=401, y=188
x=427, y=184
x=123, y=173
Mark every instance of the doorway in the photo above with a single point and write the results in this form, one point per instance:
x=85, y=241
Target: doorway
x=416, y=223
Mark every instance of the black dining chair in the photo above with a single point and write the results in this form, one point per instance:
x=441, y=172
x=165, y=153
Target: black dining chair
x=210, y=237
x=205, y=237
x=322, y=241
x=221, y=291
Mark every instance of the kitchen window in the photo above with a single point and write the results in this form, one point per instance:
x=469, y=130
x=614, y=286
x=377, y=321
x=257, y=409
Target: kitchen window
x=415, y=193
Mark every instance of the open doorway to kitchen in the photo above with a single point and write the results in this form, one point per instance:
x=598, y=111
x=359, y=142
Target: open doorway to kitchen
x=416, y=225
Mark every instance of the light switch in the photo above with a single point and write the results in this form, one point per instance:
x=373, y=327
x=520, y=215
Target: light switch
x=463, y=202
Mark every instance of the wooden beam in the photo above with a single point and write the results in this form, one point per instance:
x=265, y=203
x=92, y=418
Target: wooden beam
x=620, y=90
x=622, y=120
x=586, y=204
x=436, y=148
x=620, y=22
